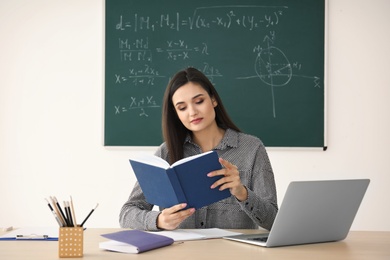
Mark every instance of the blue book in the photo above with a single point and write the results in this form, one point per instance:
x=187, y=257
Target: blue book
x=134, y=241
x=185, y=181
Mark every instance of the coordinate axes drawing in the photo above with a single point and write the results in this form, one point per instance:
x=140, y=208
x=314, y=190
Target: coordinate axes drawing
x=274, y=69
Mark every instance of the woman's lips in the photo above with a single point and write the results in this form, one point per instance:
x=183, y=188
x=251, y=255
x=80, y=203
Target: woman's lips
x=196, y=121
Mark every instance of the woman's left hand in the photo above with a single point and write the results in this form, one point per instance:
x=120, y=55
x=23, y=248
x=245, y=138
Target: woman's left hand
x=231, y=180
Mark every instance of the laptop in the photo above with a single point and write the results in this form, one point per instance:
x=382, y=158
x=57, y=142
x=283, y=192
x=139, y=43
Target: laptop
x=312, y=212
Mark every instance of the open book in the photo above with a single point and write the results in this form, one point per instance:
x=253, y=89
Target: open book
x=186, y=181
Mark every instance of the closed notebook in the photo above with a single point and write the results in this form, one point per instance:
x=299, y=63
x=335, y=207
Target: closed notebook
x=134, y=241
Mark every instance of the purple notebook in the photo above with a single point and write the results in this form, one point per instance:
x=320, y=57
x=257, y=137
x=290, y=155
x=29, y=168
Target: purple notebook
x=142, y=240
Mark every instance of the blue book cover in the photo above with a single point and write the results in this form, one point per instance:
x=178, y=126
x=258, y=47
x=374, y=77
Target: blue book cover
x=186, y=181
x=134, y=241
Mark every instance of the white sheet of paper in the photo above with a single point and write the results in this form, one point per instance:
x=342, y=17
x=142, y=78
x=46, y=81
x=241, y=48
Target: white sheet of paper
x=197, y=234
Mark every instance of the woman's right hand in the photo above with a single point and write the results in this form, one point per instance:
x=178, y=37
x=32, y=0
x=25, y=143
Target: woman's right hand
x=170, y=218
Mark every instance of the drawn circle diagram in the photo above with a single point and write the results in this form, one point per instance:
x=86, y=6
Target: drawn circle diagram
x=273, y=67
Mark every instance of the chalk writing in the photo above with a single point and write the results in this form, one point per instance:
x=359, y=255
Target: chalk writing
x=211, y=72
x=141, y=76
x=149, y=38
x=140, y=104
x=180, y=50
x=203, y=19
x=274, y=68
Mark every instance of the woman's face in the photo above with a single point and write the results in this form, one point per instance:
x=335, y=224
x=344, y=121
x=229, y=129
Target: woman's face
x=194, y=107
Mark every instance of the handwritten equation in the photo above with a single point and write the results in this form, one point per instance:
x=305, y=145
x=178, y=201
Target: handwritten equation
x=201, y=19
x=140, y=76
x=138, y=50
x=147, y=39
x=139, y=104
x=135, y=50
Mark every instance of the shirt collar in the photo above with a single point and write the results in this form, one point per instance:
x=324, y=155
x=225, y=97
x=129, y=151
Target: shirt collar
x=230, y=139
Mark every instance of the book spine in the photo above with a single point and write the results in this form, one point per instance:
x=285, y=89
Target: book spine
x=181, y=198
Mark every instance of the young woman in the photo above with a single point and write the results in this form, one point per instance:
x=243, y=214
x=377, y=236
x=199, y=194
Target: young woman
x=194, y=120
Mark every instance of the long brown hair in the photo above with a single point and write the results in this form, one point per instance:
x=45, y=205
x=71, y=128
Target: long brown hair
x=174, y=132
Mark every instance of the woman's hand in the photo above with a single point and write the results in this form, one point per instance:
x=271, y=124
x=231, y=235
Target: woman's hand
x=170, y=218
x=231, y=180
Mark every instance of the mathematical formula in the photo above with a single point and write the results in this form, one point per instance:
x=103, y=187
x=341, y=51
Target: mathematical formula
x=201, y=19
x=138, y=104
x=141, y=43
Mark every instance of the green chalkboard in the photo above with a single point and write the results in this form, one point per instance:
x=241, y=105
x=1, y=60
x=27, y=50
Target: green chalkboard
x=266, y=59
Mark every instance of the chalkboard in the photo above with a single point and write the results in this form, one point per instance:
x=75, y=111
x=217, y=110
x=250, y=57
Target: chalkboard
x=265, y=58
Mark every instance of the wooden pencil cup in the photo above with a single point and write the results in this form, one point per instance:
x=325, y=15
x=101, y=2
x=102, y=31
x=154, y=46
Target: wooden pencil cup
x=70, y=242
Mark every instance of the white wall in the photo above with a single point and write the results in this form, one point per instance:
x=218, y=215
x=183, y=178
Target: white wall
x=51, y=113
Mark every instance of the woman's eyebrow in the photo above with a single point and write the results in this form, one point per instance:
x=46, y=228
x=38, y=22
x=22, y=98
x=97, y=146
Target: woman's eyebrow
x=179, y=103
x=182, y=102
x=197, y=96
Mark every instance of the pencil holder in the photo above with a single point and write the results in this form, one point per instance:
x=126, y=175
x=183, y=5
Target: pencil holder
x=70, y=242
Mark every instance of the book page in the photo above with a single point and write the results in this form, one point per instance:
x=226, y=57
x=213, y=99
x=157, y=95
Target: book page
x=184, y=160
x=117, y=246
x=151, y=160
